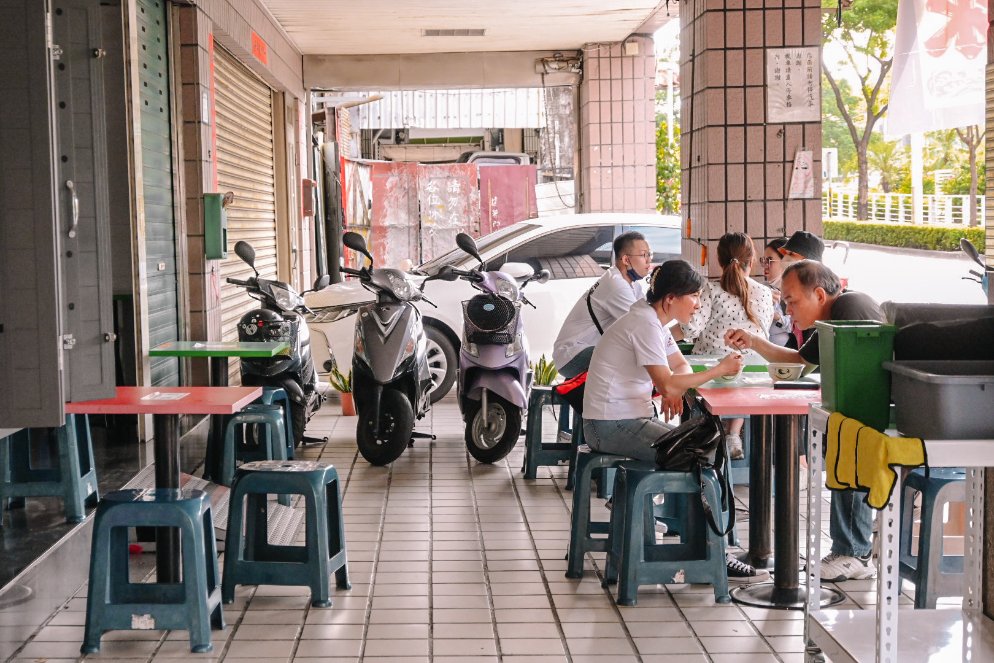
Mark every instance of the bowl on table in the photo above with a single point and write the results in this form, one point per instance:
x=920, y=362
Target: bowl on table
x=785, y=371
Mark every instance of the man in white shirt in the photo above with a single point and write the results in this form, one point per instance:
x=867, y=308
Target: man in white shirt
x=609, y=299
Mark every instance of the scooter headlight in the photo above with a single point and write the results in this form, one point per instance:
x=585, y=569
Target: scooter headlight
x=470, y=348
x=506, y=289
x=412, y=344
x=360, y=345
x=515, y=346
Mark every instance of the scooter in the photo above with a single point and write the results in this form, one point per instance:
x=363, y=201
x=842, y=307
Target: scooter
x=494, y=375
x=280, y=318
x=983, y=278
x=390, y=377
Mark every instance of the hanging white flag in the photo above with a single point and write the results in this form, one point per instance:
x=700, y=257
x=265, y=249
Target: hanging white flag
x=939, y=58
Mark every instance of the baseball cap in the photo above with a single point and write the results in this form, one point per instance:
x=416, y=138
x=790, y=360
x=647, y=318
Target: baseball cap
x=805, y=245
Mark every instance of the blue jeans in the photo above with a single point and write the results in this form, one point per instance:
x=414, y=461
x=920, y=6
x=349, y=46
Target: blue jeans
x=624, y=437
x=577, y=364
x=851, y=524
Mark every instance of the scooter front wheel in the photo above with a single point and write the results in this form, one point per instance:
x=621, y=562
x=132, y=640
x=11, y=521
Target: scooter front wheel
x=492, y=439
x=396, y=426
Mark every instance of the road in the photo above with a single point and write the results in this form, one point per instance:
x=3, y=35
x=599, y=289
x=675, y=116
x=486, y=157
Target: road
x=907, y=275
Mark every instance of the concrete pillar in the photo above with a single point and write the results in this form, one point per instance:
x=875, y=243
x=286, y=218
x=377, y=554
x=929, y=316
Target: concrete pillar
x=617, y=127
x=736, y=167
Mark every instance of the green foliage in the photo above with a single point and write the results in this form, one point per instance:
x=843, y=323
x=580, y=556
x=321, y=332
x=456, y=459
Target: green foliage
x=667, y=168
x=935, y=238
x=340, y=382
x=903, y=182
x=889, y=158
x=960, y=184
x=834, y=132
x=544, y=370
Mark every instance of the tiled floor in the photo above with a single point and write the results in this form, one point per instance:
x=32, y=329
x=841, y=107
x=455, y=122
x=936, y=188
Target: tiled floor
x=452, y=561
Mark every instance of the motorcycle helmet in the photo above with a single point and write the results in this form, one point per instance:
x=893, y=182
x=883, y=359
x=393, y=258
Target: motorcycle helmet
x=263, y=325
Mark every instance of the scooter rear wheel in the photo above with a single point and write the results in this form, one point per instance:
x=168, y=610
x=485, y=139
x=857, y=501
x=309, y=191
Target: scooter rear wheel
x=491, y=440
x=396, y=426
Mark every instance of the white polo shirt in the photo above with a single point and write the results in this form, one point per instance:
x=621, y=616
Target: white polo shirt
x=611, y=300
x=618, y=386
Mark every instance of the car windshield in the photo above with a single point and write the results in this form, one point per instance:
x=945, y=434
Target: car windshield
x=483, y=244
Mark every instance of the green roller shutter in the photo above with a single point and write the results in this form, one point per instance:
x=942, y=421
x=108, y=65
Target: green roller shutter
x=157, y=185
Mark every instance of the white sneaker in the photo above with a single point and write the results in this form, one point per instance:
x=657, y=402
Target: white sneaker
x=837, y=568
x=735, y=451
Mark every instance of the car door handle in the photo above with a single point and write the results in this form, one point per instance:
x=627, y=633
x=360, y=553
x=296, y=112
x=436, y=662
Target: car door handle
x=75, y=208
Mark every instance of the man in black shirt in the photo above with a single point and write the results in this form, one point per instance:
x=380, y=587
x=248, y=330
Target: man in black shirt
x=813, y=292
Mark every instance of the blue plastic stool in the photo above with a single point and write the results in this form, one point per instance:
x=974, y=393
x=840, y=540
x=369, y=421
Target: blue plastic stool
x=582, y=537
x=272, y=446
x=250, y=559
x=114, y=602
x=74, y=479
x=933, y=573
x=538, y=453
x=277, y=395
x=633, y=556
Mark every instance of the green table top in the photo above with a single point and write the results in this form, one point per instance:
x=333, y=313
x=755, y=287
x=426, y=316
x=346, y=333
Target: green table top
x=219, y=349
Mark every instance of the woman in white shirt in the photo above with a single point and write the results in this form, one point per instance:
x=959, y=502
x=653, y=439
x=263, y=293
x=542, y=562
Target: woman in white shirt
x=735, y=301
x=638, y=352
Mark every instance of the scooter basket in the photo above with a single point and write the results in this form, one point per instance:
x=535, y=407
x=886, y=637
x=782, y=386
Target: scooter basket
x=489, y=313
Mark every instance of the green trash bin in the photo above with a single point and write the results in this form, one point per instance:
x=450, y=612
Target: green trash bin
x=853, y=380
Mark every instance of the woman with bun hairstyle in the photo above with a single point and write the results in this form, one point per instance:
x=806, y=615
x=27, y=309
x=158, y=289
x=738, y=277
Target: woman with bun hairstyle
x=735, y=301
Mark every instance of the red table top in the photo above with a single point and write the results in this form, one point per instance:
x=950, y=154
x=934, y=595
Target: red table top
x=170, y=400
x=758, y=400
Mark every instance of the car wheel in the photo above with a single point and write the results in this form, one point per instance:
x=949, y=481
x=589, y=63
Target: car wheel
x=442, y=362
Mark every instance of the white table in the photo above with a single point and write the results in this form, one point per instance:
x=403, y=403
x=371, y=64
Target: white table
x=940, y=635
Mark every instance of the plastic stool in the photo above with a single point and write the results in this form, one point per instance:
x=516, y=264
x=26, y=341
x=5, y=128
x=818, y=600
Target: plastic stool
x=272, y=396
x=582, y=528
x=74, y=479
x=250, y=559
x=538, y=453
x=634, y=558
x=933, y=573
x=114, y=602
x=272, y=446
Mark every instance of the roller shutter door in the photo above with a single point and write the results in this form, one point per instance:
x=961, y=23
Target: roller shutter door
x=245, y=166
x=157, y=183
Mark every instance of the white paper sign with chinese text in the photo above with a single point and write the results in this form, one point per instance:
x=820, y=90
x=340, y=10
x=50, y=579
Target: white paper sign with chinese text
x=793, y=85
x=802, y=180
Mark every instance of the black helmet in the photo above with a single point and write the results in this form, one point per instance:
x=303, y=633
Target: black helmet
x=262, y=325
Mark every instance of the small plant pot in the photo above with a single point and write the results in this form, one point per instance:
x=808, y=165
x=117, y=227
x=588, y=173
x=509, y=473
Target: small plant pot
x=348, y=405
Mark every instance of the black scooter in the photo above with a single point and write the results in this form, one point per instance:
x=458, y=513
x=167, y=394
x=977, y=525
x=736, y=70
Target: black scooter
x=280, y=318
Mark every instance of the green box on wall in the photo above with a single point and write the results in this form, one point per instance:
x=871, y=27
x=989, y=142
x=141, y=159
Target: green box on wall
x=215, y=227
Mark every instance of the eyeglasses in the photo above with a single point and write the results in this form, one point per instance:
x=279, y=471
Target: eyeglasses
x=767, y=261
x=646, y=255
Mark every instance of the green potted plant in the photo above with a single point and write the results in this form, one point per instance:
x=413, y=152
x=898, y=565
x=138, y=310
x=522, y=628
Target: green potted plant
x=545, y=372
x=343, y=384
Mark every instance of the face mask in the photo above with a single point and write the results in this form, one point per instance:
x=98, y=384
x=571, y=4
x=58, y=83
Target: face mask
x=633, y=275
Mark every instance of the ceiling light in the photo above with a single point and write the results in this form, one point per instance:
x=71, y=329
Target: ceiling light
x=463, y=32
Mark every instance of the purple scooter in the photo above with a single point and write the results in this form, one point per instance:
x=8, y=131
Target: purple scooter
x=494, y=375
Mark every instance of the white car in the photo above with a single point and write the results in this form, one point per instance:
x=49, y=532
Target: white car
x=575, y=248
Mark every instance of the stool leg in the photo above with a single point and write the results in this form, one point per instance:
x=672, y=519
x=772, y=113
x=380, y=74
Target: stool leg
x=615, y=539
x=195, y=587
x=580, y=517
x=317, y=532
x=336, y=533
x=633, y=537
x=716, y=545
x=96, y=595
x=213, y=574
x=929, y=561
x=907, y=555
x=576, y=439
x=69, y=470
x=234, y=544
x=533, y=437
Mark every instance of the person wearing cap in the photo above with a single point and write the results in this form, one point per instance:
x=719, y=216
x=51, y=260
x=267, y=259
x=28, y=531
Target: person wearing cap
x=637, y=353
x=802, y=245
x=813, y=292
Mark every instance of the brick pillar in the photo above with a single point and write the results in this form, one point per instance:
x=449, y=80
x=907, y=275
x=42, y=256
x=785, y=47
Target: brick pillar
x=618, y=127
x=735, y=167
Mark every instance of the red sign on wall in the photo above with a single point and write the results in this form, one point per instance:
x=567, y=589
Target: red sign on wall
x=260, y=49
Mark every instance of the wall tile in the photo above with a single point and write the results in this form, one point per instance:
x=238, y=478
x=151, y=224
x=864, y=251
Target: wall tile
x=736, y=144
x=734, y=28
x=774, y=29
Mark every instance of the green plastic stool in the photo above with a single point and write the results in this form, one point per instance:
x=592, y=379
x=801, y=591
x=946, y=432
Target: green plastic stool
x=538, y=453
x=114, y=602
x=250, y=559
x=633, y=556
x=582, y=537
x=74, y=479
x=277, y=395
x=272, y=446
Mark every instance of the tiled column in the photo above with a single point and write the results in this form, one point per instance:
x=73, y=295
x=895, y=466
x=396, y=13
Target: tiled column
x=617, y=127
x=736, y=168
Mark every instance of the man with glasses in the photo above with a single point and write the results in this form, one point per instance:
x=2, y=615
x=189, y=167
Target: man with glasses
x=609, y=299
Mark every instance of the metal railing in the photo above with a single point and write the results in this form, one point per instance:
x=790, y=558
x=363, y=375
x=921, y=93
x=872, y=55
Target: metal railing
x=897, y=207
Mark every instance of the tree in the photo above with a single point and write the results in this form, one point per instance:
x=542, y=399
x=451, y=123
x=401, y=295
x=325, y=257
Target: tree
x=972, y=137
x=888, y=158
x=865, y=37
x=834, y=132
x=667, y=168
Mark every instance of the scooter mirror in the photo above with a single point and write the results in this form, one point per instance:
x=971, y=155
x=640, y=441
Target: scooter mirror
x=542, y=277
x=322, y=282
x=964, y=244
x=245, y=251
x=468, y=244
x=446, y=273
x=356, y=242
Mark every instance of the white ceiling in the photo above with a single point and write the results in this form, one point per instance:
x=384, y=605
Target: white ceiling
x=370, y=27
